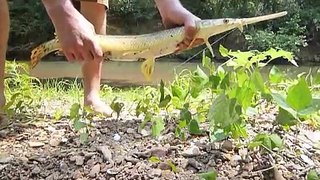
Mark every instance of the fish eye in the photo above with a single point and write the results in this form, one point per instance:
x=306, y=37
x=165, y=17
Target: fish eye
x=225, y=21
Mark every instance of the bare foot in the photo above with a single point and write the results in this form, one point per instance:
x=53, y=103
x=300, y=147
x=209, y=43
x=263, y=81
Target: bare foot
x=99, y=107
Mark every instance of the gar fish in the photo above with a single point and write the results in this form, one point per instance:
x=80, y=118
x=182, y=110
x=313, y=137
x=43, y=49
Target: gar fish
x=154, y=45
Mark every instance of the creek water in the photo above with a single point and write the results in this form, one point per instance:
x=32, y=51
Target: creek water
x=128, y=73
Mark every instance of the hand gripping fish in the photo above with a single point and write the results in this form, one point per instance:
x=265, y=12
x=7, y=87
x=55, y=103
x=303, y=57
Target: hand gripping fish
x=154, y=45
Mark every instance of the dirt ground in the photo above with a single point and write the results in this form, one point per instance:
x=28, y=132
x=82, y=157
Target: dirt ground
x=117, y=149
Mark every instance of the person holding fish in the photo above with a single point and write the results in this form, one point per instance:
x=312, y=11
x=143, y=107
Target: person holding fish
x=76, y=29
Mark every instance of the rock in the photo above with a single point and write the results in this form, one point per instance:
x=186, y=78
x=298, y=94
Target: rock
x=63, y=166
x=194, y=163
x=77, y=174
x=112, y=171
x=79, y=160
x=307, y=160
x=164, y=166
x=144, y=133
x=168, y=175
x=155, y=172
x=227, y=145
x=131, y=159
x=94, y=171
x=130, y=131
x=106, y=152
x=191, y=152
x=36, y=170
x=119, y=159
x=158, y=151
x=5, y=158
x=35, y=144
x=54, y=142
x=116, y=137
x=235, y=160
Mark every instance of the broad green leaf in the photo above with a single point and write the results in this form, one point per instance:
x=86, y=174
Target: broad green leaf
x=313, y=108
x=154, y=159
x=244, y=96
x=177, y=91
x=225, y=83
x=281, y=53
x=182, y=124
x=185, y=114
x=74, y=111
x=165, y=101
x=242, y=77
x=258, y=81
x=275, y=75
x=78, y=125
x=194, y=127
x=211, y=175
x=218, y=135
x=214, y=81
x=285, y=118
x=176, y=102
x=117, y=107
x=223, y=51
x=222, y=112
x=157, y=126
x=313, y=175
x=238, y=131
x=276, y=141
x=299, y=95
x=84, y=137
x=280, y=100
x=172, y=166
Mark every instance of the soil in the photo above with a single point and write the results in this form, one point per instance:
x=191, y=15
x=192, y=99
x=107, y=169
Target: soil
x=118, y=149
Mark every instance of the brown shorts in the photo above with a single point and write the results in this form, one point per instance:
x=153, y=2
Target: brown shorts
x=104, y=2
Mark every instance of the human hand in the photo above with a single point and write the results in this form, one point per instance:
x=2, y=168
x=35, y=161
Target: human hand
x=174, y=14
x=75, y=33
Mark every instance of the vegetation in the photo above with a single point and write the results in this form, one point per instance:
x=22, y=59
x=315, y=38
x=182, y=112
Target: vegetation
x=224, y=97
x=297, y=29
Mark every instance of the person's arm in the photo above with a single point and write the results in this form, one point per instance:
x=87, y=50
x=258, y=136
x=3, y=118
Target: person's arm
x=174, y=14
x=76, y=34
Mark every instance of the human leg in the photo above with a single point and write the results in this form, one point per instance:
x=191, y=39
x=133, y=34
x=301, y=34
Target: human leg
x=96, y=14
x=4, y=35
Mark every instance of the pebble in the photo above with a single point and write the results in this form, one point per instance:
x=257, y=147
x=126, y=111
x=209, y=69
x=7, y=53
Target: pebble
x=130, y=131
x=131, y=159
x=164, y=166
x=79, y=160
x=227, y=145
x=156, y=172
x=158, y=151
x=107, y=154
x=77, y=174
x=95, y=170
x=144, y=133
x=35, y=144
x=116, y=137
x=5, y=158
x=112, y=171
x=307, y=160
x=191, y=152
x=36, y=170
x=54, y=142
x=194, y=163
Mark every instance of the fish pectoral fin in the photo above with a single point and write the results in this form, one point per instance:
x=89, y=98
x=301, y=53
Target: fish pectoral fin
x=209, y=47
x=147, y=68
